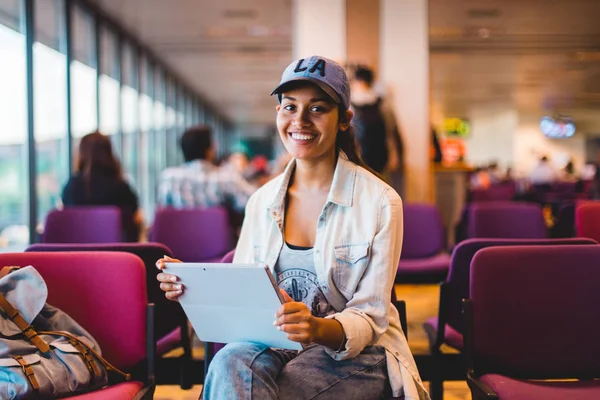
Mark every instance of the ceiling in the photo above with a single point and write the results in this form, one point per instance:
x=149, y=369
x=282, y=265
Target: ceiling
x=230, y=51
x=535, y=55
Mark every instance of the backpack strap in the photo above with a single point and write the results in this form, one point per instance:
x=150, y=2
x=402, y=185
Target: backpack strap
x=27, y=329
x=7, y=270
x=28, y=372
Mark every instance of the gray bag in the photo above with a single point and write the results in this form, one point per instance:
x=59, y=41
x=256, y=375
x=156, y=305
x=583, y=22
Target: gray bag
x=44, y=353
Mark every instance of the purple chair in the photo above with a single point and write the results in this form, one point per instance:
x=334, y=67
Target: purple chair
x=106, y=294
x=194, y=235
x=496, y=192
x=170, y=328
x=508, y=220
x=533, y=317
x=423, y=255
x=447, y=327
x=83, y=224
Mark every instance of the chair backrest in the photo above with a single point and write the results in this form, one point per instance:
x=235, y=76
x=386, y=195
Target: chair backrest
x=497, y=192
x=83, y=224
x=457, y=282
x=423, y=231
x=505, y=219
x=168, y=315
x=194, y=235
x=587, y=219
x=104, y=292
x=535, y=311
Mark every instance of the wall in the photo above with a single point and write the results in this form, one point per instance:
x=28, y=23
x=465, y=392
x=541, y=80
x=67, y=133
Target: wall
x=530, y=144
x=491, y=136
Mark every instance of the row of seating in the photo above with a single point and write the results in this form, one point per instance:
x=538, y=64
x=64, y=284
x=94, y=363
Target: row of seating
x=520, y=293
x=447, y=328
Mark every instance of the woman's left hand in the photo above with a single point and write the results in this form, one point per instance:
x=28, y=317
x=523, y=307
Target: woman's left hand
x=294, y=318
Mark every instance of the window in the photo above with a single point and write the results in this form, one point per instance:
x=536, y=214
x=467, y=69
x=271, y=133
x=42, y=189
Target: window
x=130, y=110
x=109, y=87
x=83, y=74
x=14, y=211
x=50, y=105
x=146, y=144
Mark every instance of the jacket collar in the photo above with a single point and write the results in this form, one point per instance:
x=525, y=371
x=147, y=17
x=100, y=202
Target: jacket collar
x=340, y=193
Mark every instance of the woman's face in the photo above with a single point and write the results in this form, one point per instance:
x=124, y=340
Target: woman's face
x=308, y=123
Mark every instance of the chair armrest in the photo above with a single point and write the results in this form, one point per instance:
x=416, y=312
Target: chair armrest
x=479, y=389
x=442, y=318
x=401, y=307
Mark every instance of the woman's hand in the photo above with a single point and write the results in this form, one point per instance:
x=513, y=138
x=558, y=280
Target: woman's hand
x=168, y=282
x=294, y=318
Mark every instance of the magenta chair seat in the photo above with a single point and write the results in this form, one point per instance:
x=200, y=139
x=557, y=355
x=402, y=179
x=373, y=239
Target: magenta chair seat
x=121, y=391
x=452, y=337
x=518, y=389
x=437, y=264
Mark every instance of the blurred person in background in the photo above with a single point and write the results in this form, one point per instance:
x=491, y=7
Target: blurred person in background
x=99, y=181
x=199, y=183
x=543, y=174
x=376, y=128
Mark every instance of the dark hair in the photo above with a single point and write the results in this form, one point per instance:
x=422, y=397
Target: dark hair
x=96, y=159
x=195, y=142
x=364, y=74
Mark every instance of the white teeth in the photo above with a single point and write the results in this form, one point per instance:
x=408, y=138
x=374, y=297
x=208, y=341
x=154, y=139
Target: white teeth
x=299, y=136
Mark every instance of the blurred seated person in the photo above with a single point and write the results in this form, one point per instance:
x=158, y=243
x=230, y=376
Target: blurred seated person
x=543, y=174
x=480, y=179
x=99, y=181
x=568, y=173
x=199, y=183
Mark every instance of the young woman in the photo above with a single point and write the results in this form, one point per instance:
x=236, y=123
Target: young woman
x=331, y=231
x=99, y=181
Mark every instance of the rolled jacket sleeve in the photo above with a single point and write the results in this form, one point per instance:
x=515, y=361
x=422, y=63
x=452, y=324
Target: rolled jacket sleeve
x=365, y=317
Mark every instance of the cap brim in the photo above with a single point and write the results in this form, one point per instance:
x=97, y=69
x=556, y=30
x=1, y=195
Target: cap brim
x=322, y=85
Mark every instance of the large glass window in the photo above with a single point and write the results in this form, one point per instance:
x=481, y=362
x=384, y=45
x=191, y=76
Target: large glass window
x=172, y=126
x=14, y=213
x=146, y=137
x=83, y=74
x=130, y=110
x=50, y=105
x=109, y=86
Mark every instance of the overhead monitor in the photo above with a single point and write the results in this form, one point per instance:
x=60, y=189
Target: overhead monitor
x=557, y=127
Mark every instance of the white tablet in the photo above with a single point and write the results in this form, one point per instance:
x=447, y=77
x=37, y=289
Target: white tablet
x=231, y=303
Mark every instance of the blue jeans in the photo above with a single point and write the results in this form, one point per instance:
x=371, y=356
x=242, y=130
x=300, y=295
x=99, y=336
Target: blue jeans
x=255, y=371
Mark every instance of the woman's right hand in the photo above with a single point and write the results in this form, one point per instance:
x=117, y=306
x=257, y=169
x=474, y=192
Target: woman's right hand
x=168, y=282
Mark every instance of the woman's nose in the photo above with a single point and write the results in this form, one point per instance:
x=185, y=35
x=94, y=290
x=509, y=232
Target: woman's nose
x=301, y=118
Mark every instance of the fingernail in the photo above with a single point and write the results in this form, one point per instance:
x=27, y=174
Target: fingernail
x=178, y=292
x=173, y=279
x=278, y=328
x=274, y=323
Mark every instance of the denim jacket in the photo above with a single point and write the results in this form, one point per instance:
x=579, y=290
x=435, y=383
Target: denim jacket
x=357, y=250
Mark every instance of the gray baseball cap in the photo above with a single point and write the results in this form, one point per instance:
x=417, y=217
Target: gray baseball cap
x=325, y=73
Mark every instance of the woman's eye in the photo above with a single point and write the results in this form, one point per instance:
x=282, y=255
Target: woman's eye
x=317, y=109
x=289, y=107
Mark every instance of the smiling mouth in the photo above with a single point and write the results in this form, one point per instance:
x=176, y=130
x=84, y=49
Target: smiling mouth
x=302, y=137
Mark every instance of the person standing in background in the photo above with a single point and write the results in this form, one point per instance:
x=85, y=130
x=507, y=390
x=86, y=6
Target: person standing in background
x=377, y=131
x=99, y=181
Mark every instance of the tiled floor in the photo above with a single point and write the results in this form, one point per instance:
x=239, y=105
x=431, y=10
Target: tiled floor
x=421, y=303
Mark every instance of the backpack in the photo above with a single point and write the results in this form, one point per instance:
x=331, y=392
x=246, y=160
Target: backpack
x=371, y=134
x=44, y=353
